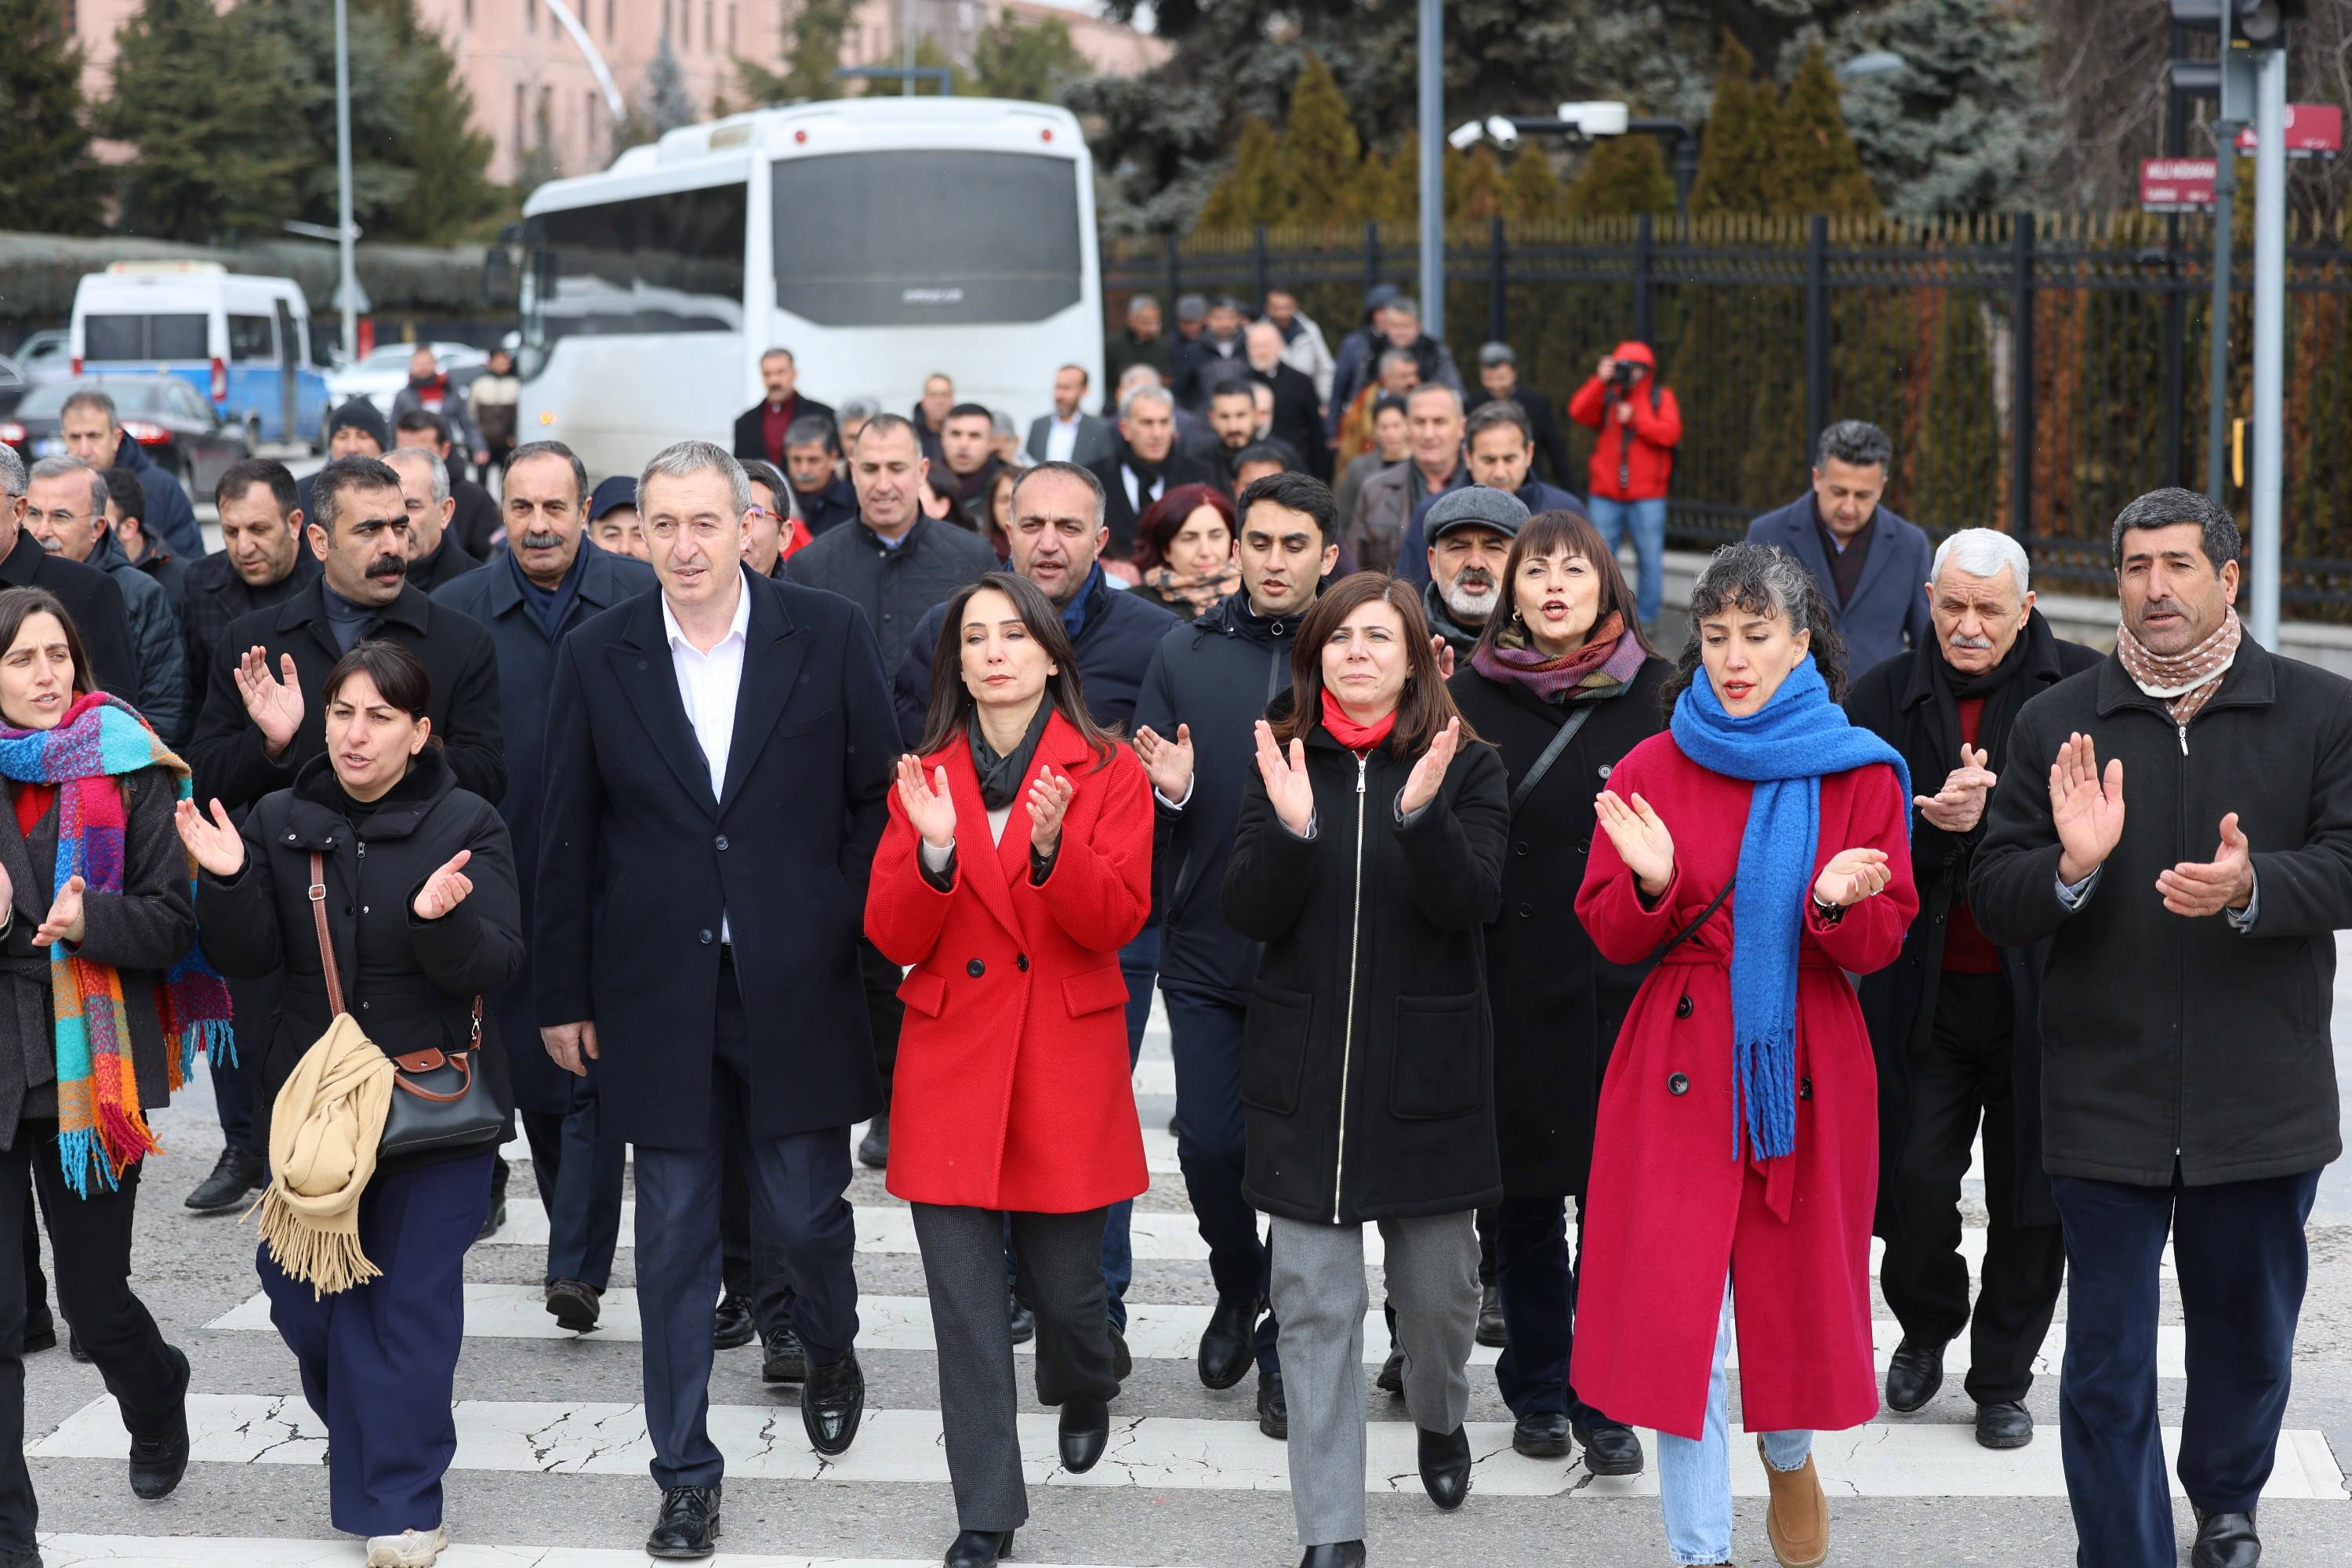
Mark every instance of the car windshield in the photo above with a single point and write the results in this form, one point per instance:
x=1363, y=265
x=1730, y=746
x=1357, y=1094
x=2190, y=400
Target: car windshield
x=144, y=395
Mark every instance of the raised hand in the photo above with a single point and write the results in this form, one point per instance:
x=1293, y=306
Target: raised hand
x=1960, y=805
x=1641, y=840
x=274, y=705
x=1169, y=762
x=446, y=889
x=216, y=845
x=1287, y=788
x=1852, y=875
x=2088, y=812
x=65, y=918
x=1443, y=652
x=570, y=1045
x=1420, y=785
x=1049, y=800
x=2207, y=888
x=926, y=802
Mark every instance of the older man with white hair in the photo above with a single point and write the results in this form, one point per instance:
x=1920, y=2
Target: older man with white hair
x=1297, y=419
x=1955, y=1025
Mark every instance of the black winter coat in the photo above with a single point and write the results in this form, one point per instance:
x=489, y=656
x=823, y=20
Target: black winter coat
x=1122, y=516
x=96, y=604
x=1557, y=1003
x=213, y=597
x=1897, y=701
x=895, y=587
x=1113, y=647
x=1368, y=1079
x=409, y=984
x=449, y=562
x=2169, y=1040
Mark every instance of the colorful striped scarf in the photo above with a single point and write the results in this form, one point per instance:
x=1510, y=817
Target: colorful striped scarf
x=100, y=1124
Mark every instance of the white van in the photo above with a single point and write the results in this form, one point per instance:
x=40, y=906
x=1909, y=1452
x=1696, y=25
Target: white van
x=242, y=342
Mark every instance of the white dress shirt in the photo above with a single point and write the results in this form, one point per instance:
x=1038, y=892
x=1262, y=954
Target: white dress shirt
x=1061, y=437
x=708, y=684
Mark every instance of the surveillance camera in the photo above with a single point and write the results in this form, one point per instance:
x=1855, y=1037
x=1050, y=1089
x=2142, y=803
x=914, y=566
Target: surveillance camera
x=1502, y=132
x=1602, y=118
x=1465, y=136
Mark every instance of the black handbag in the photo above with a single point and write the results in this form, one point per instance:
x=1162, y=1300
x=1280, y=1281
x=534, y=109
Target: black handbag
x=439, y=1101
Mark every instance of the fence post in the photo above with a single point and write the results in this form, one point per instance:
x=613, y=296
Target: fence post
x=1817, y=329
x=2021, y=402
x=1498, y=281
x=1175, y=274
x=1264, y=268
x=1646, y=299
x=1371, y=253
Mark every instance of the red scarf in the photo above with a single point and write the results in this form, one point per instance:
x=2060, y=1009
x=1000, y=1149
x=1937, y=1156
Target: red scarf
x=1356, y=737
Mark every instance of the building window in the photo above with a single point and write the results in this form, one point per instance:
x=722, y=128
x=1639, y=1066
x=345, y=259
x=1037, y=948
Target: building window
x=686, y=23
x=608, y=18
x=469, y=12
x=521, y=131
x=530, y=16
x=709, y=33
x=730, y=25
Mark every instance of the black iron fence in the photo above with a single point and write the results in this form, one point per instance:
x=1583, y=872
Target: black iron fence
x=2036, y=372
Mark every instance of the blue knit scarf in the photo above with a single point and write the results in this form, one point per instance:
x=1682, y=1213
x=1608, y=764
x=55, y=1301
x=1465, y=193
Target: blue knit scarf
x=1784, y=748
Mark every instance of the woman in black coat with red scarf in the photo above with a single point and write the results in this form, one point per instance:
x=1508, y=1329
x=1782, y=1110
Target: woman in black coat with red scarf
x=1563, y=685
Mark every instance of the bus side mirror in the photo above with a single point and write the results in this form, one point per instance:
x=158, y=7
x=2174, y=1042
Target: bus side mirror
x=497, y=275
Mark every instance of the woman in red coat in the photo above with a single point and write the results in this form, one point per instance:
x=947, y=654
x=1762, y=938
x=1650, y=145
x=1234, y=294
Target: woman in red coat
x=1017, y=862
x=1737, y=1148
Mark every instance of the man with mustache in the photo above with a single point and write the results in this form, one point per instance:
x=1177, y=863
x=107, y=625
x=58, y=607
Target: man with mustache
x=1955, y=1026
x=1470, y=533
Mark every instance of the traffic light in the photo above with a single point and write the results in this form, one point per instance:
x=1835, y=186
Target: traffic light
x=2261, y=23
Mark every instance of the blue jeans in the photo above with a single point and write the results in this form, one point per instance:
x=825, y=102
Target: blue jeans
x=1647, y=521
x=1694, y=1477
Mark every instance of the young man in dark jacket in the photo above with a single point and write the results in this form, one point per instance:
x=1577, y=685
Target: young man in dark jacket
x=1208, y=685
x=2189, y=1081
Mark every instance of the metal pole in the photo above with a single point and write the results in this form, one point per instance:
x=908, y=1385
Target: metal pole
x=2217, y=370
x=2270, y=341
x=350, y=284
x=1433, y=169
x=2176, y=301
x=907, y=48
x=2022, y=415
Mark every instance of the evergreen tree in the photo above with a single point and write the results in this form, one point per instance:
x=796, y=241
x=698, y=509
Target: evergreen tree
x=539, y=160
x=1320, y=155
x=1252, y=191
x=49, y=183
x=201, y=95
x=1531, y=190
x=1818, y=169
x=1965, y=125
x=1474, y=185
x=1621, y=176
x=1960, y=434
x=1737, y=160
x=668, y=101
x=817, y=30
x=1027, y=60
x=931, y=55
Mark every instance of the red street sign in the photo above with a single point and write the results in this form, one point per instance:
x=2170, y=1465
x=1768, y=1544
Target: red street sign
x=2176, y=184
x=2312, y=131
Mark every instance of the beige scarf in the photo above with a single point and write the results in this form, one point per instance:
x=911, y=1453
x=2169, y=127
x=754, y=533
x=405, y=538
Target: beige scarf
x=2185, y=681
x=323, y=1133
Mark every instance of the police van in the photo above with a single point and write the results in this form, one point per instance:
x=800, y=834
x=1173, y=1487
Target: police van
x=242, y=342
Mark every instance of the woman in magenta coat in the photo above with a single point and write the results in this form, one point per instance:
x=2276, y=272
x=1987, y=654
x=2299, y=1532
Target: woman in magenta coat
x=1737, y=1149
x=1016, y=863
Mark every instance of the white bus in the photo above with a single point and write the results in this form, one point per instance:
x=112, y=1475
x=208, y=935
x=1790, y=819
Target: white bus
x=879, y=239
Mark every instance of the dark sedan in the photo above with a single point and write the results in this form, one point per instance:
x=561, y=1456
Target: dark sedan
x=179, y=430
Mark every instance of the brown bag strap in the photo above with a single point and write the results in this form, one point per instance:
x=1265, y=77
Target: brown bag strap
x=326, y=943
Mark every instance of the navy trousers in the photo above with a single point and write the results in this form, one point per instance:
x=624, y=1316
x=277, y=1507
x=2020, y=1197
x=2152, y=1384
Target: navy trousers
x=751, y=1260
x=580, y=1173
x=1536, y=1274
x=379, y=1361
x=1139, y=963
x=1206, y=1040
x=2239, y=1250
x=796, y=1182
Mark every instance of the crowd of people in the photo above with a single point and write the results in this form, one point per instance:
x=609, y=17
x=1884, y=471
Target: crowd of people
x=419, y=811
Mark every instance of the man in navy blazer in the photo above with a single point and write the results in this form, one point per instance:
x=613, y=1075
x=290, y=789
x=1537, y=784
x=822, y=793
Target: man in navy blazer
x=717, y=755
x=549, y=578
x=1868, y=562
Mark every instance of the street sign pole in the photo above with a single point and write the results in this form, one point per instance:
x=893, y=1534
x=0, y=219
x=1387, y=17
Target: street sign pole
x=2216, y=374
x=2270, y=341
x=1432, y=83
x=348, y=295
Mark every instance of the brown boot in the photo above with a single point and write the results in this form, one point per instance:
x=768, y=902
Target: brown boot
x=1797, y=1520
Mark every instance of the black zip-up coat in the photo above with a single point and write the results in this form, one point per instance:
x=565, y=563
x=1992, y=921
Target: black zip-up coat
x=1367, y=1076
x=2168, y=1039
x=1897, y=701
x=1557, y=1003
x=408, y=982
x=895, y=587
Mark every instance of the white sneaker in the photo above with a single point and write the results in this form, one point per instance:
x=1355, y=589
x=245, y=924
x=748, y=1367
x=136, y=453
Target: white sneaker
x=409, y=1549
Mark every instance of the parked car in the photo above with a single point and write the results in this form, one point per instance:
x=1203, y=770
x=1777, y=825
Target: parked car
x=379, y=374
x=181, y=430
x=13, y=383
x=45, y=356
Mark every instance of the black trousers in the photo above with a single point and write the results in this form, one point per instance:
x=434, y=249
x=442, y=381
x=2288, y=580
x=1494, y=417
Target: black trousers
x=1960, y=1077
x=579, y=1171
x=91, y=1241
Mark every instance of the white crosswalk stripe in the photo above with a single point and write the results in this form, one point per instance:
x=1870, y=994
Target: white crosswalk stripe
x=228, y=1551
x=1159, y=1150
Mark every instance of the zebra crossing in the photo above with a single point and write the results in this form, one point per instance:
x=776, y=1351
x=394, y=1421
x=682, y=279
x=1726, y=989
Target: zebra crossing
x=550, y=1472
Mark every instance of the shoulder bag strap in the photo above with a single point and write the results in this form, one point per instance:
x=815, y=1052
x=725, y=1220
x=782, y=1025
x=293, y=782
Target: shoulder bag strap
x=326, y=943
x=1691, y=930
x=1577, y=714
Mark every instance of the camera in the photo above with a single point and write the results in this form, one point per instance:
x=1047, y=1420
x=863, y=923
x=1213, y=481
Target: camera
x=1623, y=374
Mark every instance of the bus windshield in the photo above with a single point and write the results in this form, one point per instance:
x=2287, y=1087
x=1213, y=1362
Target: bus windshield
x=667, y=263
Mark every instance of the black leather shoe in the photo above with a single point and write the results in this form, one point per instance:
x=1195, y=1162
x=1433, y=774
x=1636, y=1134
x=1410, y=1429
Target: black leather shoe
x=1391, y=1377
x=689, y=1525
x=832, y=1403
x=1024, y=1322
x=1446, y=1465
x=1225, y=1344
x=1273, y=1408
x=978, y=1548
x=873, y=1148
x=73, y=1346
x=1490, y=1318
x=782, y=1358
x=1913, y=1375
x=1610, y=1450
x=234, y=1175
x=40, y=1331
x=158, y=1461
x=1122, y=1360
x=1336, y=1555
x=2008, y=1425
x=2225, y=1541
x=1085, y=1433
x=27, y=1558
x=1543, y=1435
x=495, y=1220
x=731, y=1323
x=574, y=1305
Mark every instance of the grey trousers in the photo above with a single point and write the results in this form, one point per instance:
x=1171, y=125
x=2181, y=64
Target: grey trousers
x=1320, y=1297
x=1059, y=1257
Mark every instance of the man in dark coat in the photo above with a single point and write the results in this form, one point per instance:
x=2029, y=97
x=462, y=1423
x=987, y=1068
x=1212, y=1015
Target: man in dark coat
x=1209, y=683
x=1470, y=534
x=677, y=722
x=357, y=428
x=1146, y=467
x=2188, y=1077
x=529, y=599
x=1298, y=416
x=89, y=596
x=90, y=430
x=474, y=516
x=812, y=464
x=1139, y=342
x=1499, y=379
x=1499, y=450
x=126, y=518
x=434, y=556
x=761, y=430
x=1868, y=562
x=1954, y=1023
x=66, y=513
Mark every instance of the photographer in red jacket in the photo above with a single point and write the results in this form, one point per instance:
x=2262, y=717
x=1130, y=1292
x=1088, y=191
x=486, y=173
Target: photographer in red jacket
x=1641, y=425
